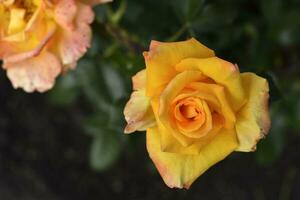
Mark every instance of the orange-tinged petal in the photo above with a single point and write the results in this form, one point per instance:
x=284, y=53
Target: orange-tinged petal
x=222, y=72
x=196, y=129
x=5, y=48
x=65, y=11
x=34, y=20
x=12, y=56
x=211, y=99
x=162, y=57
x=179, y=170
x=253, y=121
x=138, y=112
x=167, y=96
x=95, y=2
x=218, y=92
x=139, y=80
x=73, y=44
x=36, y=73
x=169, y=143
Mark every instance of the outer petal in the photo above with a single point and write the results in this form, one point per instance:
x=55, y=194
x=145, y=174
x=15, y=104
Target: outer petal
x=253, y=121
x=73, y=44
x=37, y=73
x=65, y=12
x=138, y=112
x=178, y=170
x=222, y=72
x=95, y=2
x=139, y=80
x=162, y=57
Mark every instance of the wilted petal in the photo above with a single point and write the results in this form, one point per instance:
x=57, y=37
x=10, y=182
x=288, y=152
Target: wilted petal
x=95, y=2
x=74, y=43
x=65, y=11
x=138, y=112
x=253, y=119
x=36, y=73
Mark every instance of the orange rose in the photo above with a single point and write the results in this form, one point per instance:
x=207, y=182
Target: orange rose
x=41, y=38
x=196, y=108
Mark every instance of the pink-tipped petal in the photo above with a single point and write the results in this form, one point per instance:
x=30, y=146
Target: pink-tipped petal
x=95, y=2
x=65, y=12
x=138, y=112
x=253, y=119
x=34, y=74
x=75, y=43
x=181, y=170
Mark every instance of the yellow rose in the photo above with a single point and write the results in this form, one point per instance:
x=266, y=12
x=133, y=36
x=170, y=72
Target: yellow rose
x=196, y=108
x=41, y=38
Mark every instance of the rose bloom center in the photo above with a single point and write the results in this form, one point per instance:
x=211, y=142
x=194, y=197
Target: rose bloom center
x=191, y=116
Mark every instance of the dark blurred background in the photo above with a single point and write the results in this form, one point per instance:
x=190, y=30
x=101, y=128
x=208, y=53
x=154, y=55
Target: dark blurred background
x=67, y=144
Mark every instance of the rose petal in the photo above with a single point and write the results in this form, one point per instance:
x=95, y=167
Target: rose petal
x=170, y=92
x=218, y=92
x=171, y=144
x=253, y=119
x=139, y=80
x=65, y=11
x=17, y=57
x=222, y=72
x=17, y=21
x=138, y=112
x=36, y=73
x=95, y=2
x=162, y=57
x=178, y=170
x=190, y=127
x=73, y=44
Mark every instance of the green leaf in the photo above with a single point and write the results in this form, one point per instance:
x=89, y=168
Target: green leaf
x=275, y=92
x=105, y=150
x=114, y=82
x=91, y=82
x=65, y=91
x=115, y=17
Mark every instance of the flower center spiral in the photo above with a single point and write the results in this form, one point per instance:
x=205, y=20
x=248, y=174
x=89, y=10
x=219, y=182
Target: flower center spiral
x=192, y=116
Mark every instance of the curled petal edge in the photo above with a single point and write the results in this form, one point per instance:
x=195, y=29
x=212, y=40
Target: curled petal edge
x=253, y=119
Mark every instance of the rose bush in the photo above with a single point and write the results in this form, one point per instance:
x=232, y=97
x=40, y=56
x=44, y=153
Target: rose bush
x=196, y=108
x=39, y=39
